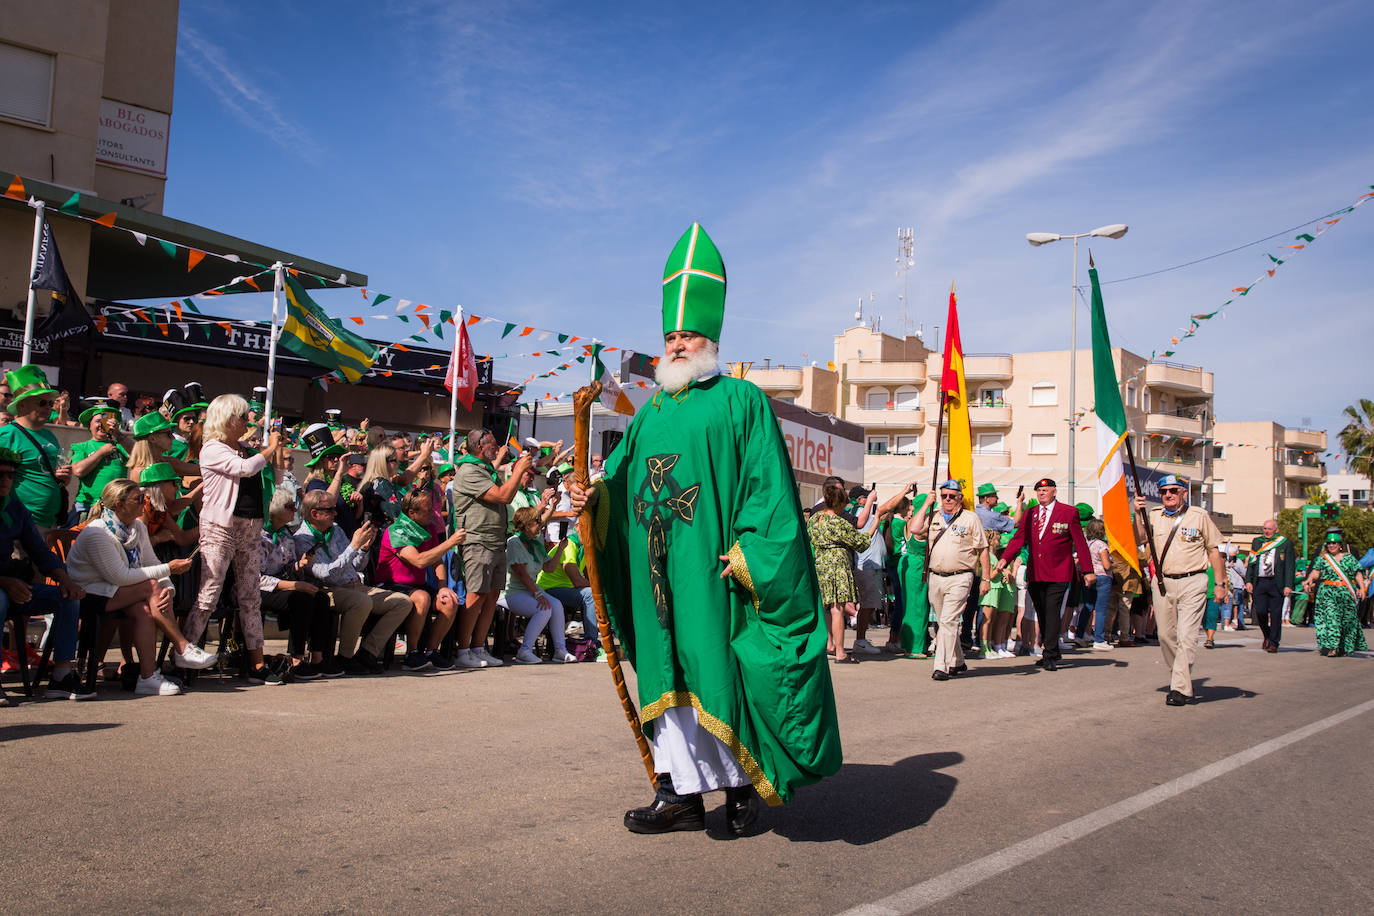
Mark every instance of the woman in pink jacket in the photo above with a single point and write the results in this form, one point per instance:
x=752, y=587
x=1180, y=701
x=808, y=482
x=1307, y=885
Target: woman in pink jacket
x=236, y=497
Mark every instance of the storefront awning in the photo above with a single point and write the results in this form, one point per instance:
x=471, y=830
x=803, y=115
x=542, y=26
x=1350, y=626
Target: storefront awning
x=121, y=267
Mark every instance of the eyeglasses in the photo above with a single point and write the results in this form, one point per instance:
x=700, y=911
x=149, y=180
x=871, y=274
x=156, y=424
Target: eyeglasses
x=327, y=510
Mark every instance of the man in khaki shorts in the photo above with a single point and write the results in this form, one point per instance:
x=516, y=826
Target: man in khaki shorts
x=1185, y=541
x=957, y=546
x=481, y=501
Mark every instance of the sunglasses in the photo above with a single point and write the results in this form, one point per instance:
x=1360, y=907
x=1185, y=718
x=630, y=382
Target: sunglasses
x=327, y=510
x=951, y=496
x=1170, y=489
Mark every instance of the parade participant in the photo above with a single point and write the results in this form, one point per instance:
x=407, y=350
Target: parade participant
x=834, y=539
x=99, y=459
x=956, y=546
x=1299, y=613
x=1268, y=579
x=1054, y=536
x=734, y=689
x=1336, y=584
x=913, y=634
x=1185, y=541
x=41, y=478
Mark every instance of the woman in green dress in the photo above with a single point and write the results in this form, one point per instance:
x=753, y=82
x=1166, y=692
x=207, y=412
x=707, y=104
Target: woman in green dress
x=1338, y=582
x=833, y=540
x=916, y=618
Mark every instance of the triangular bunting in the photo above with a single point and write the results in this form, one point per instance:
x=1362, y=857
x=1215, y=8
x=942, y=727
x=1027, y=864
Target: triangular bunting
x=73, y=205
x=108, y=220
x=194, y=257
x=16, y=189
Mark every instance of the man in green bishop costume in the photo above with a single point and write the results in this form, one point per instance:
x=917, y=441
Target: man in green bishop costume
x=709, y=579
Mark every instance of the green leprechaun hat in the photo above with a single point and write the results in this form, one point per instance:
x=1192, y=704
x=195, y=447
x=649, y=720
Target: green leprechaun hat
x=694, y=286
x=27, y=382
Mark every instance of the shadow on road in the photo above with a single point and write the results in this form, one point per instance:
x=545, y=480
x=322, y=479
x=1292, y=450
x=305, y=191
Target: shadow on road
x=865, y=803
x=39, y=729
x=1205, y=693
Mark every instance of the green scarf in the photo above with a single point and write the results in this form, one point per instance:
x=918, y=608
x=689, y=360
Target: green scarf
x=534, y=545
x=321, y=538
x=276, y=534
x=485, y=465
x=406, y=532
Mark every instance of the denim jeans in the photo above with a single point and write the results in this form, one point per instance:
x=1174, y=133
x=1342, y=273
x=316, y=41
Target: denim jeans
x=1101, y=603
x=574, y=599
x=65, y=612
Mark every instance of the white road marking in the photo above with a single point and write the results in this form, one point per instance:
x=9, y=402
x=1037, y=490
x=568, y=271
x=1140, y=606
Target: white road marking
x=952, y=882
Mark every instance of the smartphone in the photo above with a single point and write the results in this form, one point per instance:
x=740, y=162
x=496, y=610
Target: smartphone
x=1019, y=490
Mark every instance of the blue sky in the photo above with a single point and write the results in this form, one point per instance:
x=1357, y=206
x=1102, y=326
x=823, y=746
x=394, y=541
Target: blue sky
x=536, y=162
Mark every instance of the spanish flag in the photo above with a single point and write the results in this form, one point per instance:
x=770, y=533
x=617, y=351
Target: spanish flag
x=955, y=396
x=1111, y=433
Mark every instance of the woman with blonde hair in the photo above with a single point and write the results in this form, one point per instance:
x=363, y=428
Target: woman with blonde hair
x=108, y=559
x=381, y=497
x=237, y=490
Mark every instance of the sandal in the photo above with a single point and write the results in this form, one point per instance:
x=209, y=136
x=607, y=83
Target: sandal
x=847, y=660
x=1209, y=645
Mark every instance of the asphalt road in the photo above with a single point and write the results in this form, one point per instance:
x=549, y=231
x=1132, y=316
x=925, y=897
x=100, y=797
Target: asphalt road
x=503, y=790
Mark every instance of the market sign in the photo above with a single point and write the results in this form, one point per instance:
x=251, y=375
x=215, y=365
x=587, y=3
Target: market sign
x=132, y=137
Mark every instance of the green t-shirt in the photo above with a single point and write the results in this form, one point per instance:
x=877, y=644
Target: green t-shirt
x=571, y=553
x=34, y=484
x=112, y=468
x=178, y=450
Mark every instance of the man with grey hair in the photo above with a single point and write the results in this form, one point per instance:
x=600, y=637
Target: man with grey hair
x=335, y=561
x=1268, y=581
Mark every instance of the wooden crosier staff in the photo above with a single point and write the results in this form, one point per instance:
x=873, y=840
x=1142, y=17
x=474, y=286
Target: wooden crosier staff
x=1149, y=529
x=583, y=400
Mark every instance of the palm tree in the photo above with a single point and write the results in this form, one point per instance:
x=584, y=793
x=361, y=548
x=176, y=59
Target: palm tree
x=1357, y=438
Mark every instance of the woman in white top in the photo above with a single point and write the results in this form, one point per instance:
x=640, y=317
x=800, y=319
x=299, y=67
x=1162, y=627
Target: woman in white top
x=525, y=558
x=107, y=560
x=1099, y=597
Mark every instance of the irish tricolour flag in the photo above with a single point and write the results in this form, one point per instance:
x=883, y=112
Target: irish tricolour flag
x=612, y=397
x=1111, y=436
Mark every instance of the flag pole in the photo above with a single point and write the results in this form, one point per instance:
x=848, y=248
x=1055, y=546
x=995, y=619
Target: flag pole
x=1149, y=529
x=453, y=392
x=41, y=207
x=591, y=413
x=277, y=270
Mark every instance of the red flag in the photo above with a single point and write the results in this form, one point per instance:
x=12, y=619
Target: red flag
x=954, y=352
x=462, y=369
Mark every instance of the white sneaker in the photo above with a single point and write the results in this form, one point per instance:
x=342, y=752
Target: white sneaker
x=1037, y=652
x=194, y=657
x=866, y=647
x=1005, y=653
x=155, y=685
x=1102, y=645
x=491, y=660
x=466, y=659
x=565, y=658
x=527, y=657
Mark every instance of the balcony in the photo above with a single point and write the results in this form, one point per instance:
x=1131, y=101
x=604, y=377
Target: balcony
x=1189, y=381
x=775, y=380
x=989, y=458
x=1173, y=464
x=1311, y=439
x=1305, y=473
x=1172, y=425
x=886, y=419
x=891, y=468
x=987, y=366
x=895, y=372
x=989, y=416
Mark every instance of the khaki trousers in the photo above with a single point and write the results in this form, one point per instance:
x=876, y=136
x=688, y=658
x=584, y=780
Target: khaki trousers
x=1178, y=617
x=355, y=603
x=948, y=596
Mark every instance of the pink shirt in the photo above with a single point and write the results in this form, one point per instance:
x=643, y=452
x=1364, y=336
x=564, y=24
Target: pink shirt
x=393, y=570
x=221, y=466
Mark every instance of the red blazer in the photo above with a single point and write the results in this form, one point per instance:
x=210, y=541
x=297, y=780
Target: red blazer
x=1051, y=557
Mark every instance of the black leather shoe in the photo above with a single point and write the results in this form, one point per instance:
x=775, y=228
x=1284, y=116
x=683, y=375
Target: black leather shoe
x=957, y=670
x=665, y=817
x=1039, y=663
x=741, y=809
x=1049, y=664
x=939, y=676
x=1175, y=699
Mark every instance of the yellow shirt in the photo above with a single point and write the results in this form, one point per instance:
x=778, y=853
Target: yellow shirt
x=958, y=548
x=1197, y=533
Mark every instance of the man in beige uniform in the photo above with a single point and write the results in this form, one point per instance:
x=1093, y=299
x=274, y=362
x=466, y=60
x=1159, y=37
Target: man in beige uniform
x=1185, y=541
x=957, y=546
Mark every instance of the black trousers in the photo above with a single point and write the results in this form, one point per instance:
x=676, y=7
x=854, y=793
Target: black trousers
x=1048, y=600
x=966, y=635
x=304, y=615
x=1266, y=608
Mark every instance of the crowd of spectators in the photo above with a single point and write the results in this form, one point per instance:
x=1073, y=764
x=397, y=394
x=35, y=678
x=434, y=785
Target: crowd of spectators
x=386, y=551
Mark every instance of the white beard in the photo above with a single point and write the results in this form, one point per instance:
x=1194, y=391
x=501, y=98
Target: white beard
x=673, y=375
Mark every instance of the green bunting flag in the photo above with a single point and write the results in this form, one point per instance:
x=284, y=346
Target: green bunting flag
x=1305, y=237
x=381, y=297
x=73, y=204
x=168, y=247
x=313, y=335
x=510, y=326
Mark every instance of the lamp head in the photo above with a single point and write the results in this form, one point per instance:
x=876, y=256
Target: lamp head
x=1041, y=238
x=1114, y=231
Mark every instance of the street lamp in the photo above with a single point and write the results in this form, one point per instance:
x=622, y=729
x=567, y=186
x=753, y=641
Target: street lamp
x=1114, y=231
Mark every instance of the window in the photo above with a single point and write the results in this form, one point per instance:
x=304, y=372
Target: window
x=990, y=443
x=25, y=84
x=908, y=445
x=1130, y=394
x=1044, y=443
x=877, y=445
x=907, y=398
x=1147, y=401
x=877, y=399
x=990, y=396
x=1218, y=452
x=1044, y=394
x=1218, y=486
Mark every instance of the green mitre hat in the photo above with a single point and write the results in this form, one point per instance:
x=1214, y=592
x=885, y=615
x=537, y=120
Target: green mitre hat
x=694, y=286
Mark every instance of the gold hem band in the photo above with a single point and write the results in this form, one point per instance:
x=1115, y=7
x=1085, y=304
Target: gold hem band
x=724, y=733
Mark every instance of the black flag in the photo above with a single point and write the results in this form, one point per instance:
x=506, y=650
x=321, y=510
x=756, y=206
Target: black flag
x=68, y=315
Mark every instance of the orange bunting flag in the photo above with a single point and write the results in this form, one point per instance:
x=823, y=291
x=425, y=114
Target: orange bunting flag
x=402, y=347
x=420, y=307
x=474, y=319
x=107, y=220
x=386, y=372
x=526, y=333
x=177, y=306
x=1271, y=272
x=194, y=257
x=228, y=328
x=435, y=366
x=355, y=318
x=424, y=319
x=1294, y=247
x=163, y=328
x=101, y=323
x=574, y=339
x=16, y=189
x=143, y=315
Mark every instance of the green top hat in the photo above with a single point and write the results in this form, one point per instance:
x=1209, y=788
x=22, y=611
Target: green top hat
x=98, y=405
x=27, y=382
x=150, y=423
x=986, y=489
x=320, y=441
x=161, y=472
x=694, y=286
x=1085, y=511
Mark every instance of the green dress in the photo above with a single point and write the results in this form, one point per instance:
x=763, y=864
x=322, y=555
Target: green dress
x=1337, y=623
x=832, y=540
x=915, y=597
x=703, y=473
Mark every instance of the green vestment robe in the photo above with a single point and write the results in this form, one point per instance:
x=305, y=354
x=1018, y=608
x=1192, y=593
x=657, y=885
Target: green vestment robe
x=700, y=474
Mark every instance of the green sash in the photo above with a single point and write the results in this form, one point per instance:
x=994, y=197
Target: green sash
x=406, y=532
x=1255, y=553
x=485, y=465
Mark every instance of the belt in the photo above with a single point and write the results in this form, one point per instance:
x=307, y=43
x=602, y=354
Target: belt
x=1331, y=582
x=957, y=572
x=1187, y=575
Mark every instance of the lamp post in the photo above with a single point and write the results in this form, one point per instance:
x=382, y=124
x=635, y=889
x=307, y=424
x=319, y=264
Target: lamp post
x=1114, y=231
